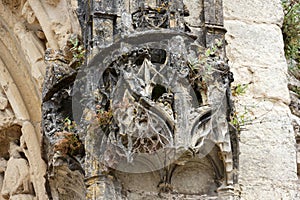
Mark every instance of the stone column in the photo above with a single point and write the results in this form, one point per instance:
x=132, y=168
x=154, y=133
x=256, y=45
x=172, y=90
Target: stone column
x=267, y=144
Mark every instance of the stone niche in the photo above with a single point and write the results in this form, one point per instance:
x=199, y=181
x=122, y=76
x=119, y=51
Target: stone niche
x=147, y=116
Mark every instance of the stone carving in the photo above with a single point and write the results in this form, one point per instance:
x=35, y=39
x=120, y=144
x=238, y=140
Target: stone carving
x=27, y=29
x=103, y=31
x=28, y=13
x=6, y=113
x=28, y=38
x=149, y=17
x=3, y=164
x=3, y=103
x=52, y=2
x=63, y=149
x=54, y=28
x=262, y=30
x=155, y=96
x=16, y=183
x=164, y=15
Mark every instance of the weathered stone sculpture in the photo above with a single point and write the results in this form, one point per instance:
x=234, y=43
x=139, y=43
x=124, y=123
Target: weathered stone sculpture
x=154, y=98
x=16, y=183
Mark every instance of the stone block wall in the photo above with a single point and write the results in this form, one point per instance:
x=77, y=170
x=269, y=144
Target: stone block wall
x=267, y=141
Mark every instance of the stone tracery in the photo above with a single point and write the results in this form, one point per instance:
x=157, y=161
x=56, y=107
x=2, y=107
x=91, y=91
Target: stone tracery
x=155, y=97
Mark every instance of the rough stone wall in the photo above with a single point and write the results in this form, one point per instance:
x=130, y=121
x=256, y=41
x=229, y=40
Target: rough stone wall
x=255, y=50
x=267, y=143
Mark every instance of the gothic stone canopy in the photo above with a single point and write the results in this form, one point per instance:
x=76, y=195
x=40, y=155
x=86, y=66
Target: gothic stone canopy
x=153, y=97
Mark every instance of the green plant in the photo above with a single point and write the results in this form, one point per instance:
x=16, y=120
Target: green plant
x=104, y=117
x=212, y=50
x=238, y=119
x=201, y=70
x=239, y=89
x=77, y=50
x=68, y=143
x=291, y=29
x=295, y=89
x=69, y=125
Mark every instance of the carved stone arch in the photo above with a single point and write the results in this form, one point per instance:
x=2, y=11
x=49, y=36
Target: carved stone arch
x=20, y=91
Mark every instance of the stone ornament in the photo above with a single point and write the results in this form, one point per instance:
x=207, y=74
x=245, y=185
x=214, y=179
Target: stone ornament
x=154, y=95
x=16, y=182
x=28, y=13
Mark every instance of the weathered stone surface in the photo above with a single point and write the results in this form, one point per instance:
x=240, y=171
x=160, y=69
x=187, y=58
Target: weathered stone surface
x=255, y=51
x=195, y=17
x=31, y=146
x=186, y=179
x=7, y=116
x=3, y=103
x=139, y=97
x=12, y=93
x=269, y=165
x=33, y=49
x=7, y=134
x=296, y=125
x=255, y=11
x=255, y=44
x=57, y=22
x=295, y=104
x=16, y=81
x=66, y=184
x=266, y=86
x=260, y=82
x=16, y=183
x=268, y=190
x=25, y=30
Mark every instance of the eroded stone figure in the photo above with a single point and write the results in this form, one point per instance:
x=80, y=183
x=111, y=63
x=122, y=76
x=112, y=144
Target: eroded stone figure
x=16, y=183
